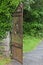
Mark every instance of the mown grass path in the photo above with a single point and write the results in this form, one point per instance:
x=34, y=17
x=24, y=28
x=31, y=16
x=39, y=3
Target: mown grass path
x=30, y=42
x=34, y=57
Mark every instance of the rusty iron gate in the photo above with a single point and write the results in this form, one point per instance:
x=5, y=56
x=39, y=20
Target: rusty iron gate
x=17, y=34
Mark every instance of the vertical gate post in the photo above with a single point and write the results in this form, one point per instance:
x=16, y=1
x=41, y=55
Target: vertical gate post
x=17, y=34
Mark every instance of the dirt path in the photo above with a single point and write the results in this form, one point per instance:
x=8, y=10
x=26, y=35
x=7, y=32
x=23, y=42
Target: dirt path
x=34, y=57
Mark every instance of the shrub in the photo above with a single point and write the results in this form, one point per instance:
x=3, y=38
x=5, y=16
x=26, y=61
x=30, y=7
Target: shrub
x=33, y=28
x=7, y=7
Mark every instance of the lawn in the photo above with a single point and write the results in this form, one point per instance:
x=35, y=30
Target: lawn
x=29, y=43
x=4, y=61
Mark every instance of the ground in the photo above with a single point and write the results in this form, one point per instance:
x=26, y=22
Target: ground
x=14, y=62
x=34, y=57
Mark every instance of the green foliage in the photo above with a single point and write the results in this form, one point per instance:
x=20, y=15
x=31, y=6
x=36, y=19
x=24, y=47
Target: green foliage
x=33, y=29
x=7, y=8
x=33, y=15
x=4, y=61
x=33, y=9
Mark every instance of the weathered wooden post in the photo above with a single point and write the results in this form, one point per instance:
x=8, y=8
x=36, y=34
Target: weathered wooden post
x=17, y=34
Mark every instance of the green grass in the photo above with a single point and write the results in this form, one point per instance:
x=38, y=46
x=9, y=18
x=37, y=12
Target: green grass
x=4, y=61
x=29, y=43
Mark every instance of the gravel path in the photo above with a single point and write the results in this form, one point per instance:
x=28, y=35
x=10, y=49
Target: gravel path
x=34, y=57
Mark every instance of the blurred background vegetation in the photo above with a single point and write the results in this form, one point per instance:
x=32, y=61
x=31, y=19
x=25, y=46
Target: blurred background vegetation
x=33, y=24
x=33, y=17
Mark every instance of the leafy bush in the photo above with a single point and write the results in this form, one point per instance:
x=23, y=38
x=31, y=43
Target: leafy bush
x=7, y=8
x=33, y=17
x=33, y=28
